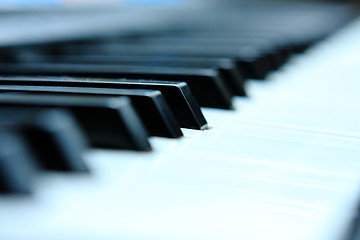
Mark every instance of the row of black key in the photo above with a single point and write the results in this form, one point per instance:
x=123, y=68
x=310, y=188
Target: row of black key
x=117, y=91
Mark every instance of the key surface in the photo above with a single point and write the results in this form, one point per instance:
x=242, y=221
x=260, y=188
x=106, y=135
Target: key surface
x=227, y=67
x=53, y=136
x=150, y=105
x=243, y=48
x=249, y=61
x=206, y=85
x=17, y=169
x=177, y=94
x=109, y=122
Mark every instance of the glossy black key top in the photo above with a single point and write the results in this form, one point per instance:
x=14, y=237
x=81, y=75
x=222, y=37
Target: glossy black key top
x=17, y=169
x=150, y=105
x=227, y=67
x=53, y=136
x=206, y=84
x=177, y=94
x=109, y=122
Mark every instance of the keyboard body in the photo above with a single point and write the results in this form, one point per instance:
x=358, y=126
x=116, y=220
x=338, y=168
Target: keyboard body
x=283, y=165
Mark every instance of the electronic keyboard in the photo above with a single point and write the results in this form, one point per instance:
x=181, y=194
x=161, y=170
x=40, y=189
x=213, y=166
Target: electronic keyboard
x=241, y=125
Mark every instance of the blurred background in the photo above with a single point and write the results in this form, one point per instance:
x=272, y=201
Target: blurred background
x=23, y=3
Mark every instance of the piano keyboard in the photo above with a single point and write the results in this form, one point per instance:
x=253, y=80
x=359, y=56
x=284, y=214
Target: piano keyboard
x=281, y=163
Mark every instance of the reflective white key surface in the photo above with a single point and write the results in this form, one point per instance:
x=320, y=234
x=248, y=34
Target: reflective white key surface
x=285, y=165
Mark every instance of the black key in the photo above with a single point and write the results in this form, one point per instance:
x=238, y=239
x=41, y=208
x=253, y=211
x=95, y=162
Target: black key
x=231, y=75
x=206, y=85
x=17, y=170
x=150, y=105
x=107, y=122
x=52, y=135
x=177, y=94
x=250, y=60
